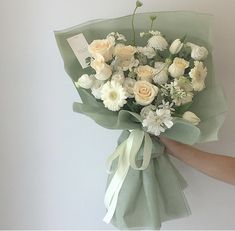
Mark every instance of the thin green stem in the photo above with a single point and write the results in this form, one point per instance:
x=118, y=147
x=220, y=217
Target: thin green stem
x=151, y=26
x=133, y=26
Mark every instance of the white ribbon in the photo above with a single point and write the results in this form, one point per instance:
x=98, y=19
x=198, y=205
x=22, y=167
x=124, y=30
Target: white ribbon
x=126, y=152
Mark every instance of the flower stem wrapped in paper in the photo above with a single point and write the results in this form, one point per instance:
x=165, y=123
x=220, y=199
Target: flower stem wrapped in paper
x=146, y=81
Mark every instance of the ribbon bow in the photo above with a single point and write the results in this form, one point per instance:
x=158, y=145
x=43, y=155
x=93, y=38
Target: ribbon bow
x=126, y=152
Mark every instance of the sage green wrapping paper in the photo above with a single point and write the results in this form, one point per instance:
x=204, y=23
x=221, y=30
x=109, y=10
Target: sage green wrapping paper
x=153, y=195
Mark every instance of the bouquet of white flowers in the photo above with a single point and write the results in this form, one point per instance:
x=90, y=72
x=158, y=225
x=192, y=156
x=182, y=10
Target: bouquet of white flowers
x=139, y=80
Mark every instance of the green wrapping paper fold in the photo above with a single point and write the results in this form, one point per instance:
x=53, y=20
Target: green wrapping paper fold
x=149, y=197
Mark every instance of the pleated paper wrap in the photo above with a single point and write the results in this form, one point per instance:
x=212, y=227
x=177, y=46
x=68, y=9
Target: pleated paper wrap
x=149, y=197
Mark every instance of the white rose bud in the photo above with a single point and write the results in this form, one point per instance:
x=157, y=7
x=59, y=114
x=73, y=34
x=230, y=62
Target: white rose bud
x=103, y=70
x=198, y=53
x=118, y=77
x=144, y=92
x=191, y=117
x=85, y=81
x=176, y=46
x=124, y=52
x=161, y=76
x=147, y=51
x=102, y=47
x=177, y=68
x=145, y=73
x=96, y=88
x=128, y=86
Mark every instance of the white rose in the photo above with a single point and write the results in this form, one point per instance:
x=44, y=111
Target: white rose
x=102, y=47
x=191, y=117
x=118, y=77
x=145, y=110
x=129, y=86
x=145, y=73
x=176, y=46
x=124, y=64
x=187, y=99
x=158, y=42
x=161, y=76
x=177, y=68
x=198, y=53
x=124, y=52
x=144, y=92
x=85, y=81
x=96, y=88
x=103, y=70
x=147, y=51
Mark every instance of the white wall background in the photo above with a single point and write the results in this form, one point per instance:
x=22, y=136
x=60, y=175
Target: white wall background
x=52, y=173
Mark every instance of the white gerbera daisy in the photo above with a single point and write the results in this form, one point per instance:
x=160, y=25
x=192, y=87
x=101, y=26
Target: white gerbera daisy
x=158, y=121
x=198, y=75
x=113, y=95
x=158, y=42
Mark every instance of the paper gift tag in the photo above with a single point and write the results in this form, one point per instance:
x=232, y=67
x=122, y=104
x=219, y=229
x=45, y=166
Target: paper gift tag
x=79, y=45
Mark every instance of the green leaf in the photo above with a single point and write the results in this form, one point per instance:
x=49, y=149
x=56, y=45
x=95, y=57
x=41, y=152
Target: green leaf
x=179, y=111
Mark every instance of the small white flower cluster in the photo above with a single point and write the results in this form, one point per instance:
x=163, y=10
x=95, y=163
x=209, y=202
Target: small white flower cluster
x=137, y=78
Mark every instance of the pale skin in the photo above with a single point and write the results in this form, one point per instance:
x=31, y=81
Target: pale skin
x=217, y=166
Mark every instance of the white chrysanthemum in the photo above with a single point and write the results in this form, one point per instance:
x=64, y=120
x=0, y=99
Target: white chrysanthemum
x=96, y=88
x=113, y=95
x=158, y=121
x=161, y=76
x=128, y=85
x=147, y=51
x=198, y=75
x=158, y=42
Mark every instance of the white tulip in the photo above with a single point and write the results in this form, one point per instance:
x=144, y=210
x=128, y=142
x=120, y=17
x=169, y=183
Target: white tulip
x=176, y=46
x=177, y=68
x=85, y=81
x=191, y=117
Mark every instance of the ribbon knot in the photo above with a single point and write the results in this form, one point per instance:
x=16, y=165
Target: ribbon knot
x=126, y=152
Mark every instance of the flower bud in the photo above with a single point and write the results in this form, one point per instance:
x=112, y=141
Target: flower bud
x=176, y=46
x=191, y=117
x=85, y=81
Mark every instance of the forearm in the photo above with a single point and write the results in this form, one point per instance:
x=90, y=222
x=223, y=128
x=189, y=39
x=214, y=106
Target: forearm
x=217, y=166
